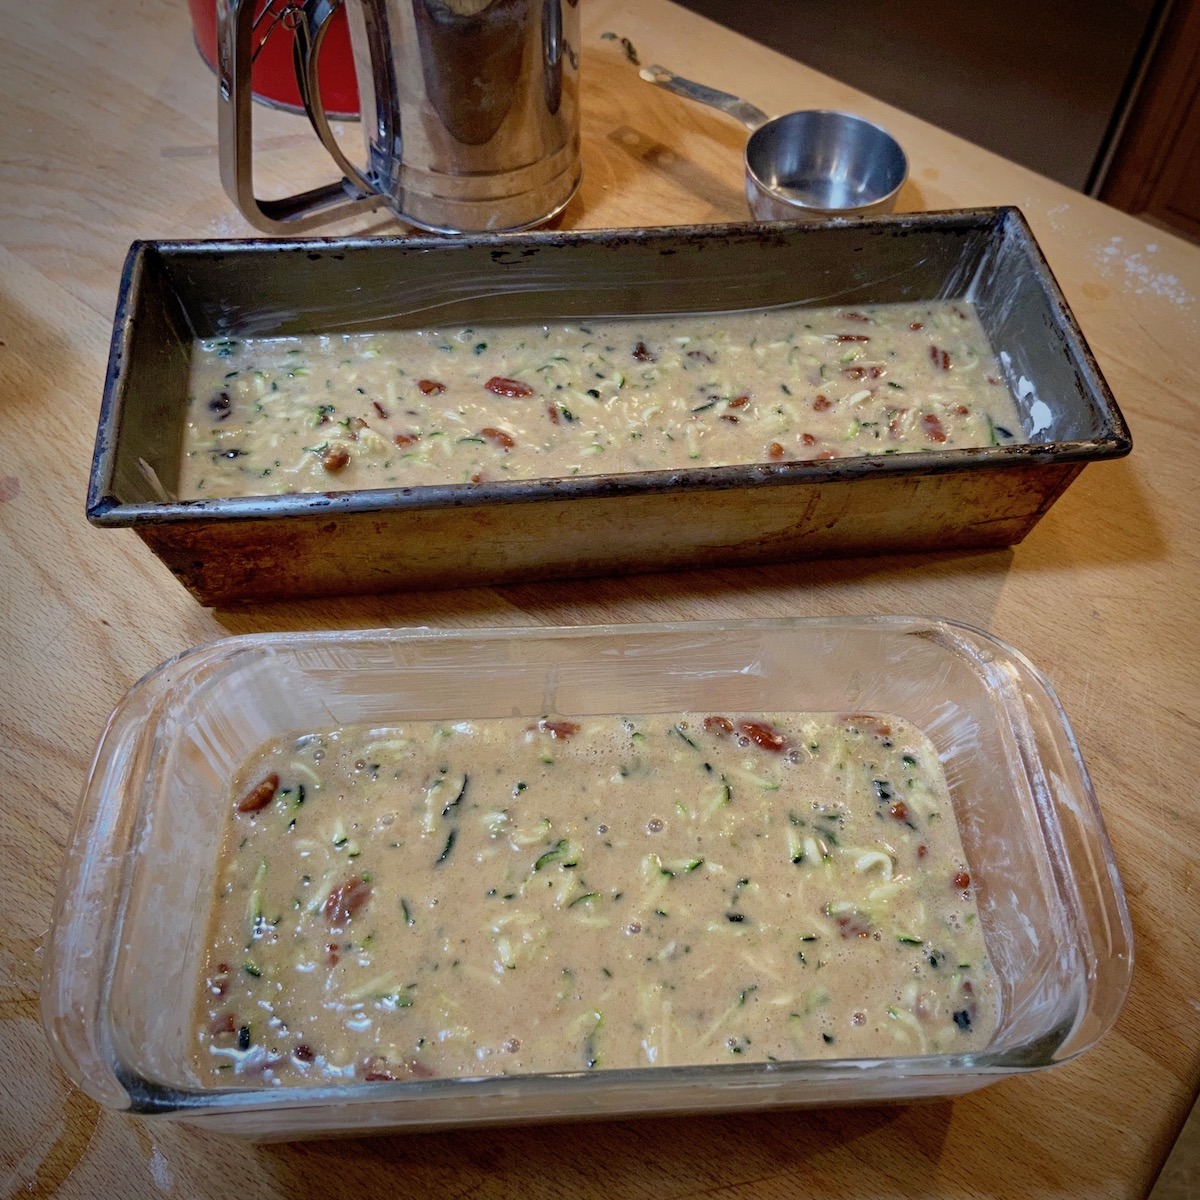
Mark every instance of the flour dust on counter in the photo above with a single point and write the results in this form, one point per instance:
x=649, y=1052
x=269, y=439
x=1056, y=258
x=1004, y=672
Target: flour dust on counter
x=503, y=896
x=406, y=408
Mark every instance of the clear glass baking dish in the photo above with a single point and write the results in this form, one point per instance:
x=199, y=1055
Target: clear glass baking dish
x=126, y=947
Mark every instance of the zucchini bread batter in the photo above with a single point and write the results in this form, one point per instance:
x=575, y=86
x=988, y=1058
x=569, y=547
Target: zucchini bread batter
x=510, y=895
x=405, y=408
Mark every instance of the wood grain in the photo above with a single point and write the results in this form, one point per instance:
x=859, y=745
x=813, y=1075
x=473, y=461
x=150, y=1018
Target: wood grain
x=109, y=136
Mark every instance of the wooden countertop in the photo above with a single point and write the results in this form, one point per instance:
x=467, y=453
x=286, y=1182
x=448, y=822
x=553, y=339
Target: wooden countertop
x=109, y=136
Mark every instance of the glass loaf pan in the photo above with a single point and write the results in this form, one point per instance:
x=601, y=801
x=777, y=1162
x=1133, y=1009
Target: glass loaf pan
x=224, y=550
x=126, y=948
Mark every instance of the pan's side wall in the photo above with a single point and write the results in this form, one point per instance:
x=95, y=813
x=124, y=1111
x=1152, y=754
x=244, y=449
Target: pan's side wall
x=383, y=551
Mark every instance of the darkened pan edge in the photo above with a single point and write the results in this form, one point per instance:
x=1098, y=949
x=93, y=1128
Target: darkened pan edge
x=100, y=481
x=109, y=512
x=161, y=256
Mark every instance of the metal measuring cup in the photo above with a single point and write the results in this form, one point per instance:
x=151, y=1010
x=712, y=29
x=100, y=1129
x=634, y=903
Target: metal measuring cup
x=805, y=165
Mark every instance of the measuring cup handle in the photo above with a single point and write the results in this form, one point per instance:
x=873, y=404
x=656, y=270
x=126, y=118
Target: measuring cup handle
x=291, y=214
x=750, y=115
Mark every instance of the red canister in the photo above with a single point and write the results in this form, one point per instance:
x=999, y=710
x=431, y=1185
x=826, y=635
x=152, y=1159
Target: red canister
x=274, y=78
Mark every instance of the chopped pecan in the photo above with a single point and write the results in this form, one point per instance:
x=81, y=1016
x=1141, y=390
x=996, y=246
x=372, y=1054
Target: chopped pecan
x=430, y=387
x=940, y=358
x=853, y=924
x=222, y=1023
x=377, y=1070
x=346, y=899
x=498, y=385
x=932, y=425
x=260, y=795
x=335, y=458
x=821, y=403
x=558, y=729
x=505, y=441
x=868, y=722
x=765, y=736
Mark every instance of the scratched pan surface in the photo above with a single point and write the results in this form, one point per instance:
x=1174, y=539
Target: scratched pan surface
x=247, y=548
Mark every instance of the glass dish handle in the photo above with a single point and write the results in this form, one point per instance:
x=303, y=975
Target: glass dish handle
x=89, y=901
x=1090, y=881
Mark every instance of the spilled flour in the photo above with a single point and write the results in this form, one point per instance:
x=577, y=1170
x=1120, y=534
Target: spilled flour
x=160, y=1169
x=1140, y=276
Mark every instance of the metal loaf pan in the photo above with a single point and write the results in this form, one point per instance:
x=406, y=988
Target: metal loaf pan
x=458, y=534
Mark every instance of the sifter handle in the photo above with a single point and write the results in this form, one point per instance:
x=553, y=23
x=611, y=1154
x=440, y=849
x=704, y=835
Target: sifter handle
x=291, y=214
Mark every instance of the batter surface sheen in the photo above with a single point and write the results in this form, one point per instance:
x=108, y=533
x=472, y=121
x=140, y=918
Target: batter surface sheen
x=405, y=408
x=513, y=895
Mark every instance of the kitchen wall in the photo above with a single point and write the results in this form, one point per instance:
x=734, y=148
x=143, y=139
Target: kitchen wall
x=1035, y=80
